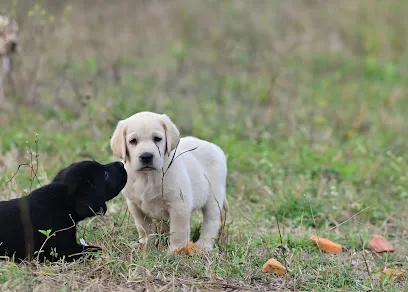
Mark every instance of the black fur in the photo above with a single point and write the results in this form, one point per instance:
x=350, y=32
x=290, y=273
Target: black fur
x=77, y=192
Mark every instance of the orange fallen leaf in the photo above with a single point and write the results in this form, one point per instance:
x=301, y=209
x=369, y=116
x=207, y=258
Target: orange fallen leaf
x=380, y=244
x=190, y=249
x=393, y=273
x=326, y=245
x=274, y=267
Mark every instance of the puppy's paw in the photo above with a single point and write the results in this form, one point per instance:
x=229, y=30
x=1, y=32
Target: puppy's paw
x=205, y=245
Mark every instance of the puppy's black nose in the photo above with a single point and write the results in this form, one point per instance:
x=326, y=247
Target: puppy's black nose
x=146, y=157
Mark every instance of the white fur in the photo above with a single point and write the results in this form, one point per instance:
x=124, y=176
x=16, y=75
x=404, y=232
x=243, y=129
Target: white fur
x=196, y=180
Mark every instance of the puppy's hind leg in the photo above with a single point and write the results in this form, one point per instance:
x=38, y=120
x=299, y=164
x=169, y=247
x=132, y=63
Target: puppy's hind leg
x=211, y=224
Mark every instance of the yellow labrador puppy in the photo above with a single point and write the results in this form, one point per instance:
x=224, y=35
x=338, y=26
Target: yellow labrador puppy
x=169, y=178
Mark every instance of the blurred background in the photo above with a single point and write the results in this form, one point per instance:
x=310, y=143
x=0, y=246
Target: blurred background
x=269, y=66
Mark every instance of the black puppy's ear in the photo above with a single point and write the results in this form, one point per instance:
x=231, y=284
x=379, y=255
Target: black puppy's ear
x=73, y=199
x=76, y=187
x=65, y=178
x=87, y=200
x=84, y=194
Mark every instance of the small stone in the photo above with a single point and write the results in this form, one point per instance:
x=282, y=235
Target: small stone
x=326, y=244
x=274, y=267
x=379, y=244
x=190, y=249
x=393, y=273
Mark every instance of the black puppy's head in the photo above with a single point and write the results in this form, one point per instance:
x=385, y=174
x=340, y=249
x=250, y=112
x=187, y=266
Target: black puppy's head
x=90, y=185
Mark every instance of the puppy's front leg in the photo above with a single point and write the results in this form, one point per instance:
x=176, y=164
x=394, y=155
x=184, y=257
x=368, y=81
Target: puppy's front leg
x=144, y=223
x=179, y=227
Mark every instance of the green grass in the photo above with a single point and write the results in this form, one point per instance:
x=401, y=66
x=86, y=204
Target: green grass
x=312, y=138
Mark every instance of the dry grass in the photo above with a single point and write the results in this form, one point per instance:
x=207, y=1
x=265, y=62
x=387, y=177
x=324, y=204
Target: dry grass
x=305, y=97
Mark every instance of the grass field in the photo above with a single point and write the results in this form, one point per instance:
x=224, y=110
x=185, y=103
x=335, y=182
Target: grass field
x=308, y=99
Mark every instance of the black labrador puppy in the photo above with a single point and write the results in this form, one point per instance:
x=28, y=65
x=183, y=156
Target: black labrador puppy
x=78, y=191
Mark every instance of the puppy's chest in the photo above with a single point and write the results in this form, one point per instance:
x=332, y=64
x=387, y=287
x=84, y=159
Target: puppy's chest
x=155, y=208
x=149, y=200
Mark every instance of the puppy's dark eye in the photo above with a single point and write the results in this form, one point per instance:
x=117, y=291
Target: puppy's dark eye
x=133, y=141
x=157, y=139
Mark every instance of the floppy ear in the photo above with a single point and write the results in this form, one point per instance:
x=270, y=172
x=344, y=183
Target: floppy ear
x=85, y=200
x=118, y=141
x=172, y=134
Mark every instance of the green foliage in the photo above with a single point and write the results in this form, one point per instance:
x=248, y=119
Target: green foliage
x=47, y=232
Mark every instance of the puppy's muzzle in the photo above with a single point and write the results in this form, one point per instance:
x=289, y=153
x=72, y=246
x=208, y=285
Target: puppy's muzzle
x=146, y=158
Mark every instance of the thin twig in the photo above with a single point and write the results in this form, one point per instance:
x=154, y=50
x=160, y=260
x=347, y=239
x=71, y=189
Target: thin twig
x=120, y=212
x=219, y=208
x=314, y=222
x=16, y=172
x=124, y=217
x=275, y=212
x=164, y=172
x=54, y=234
x=253, y=224
x=366, y=264
x=334, y=227
x=218, y=204
x=189, y=150
x=168, y=167
x=160, y=229
x=174, y=157
x=174, y=154
x=33, y=172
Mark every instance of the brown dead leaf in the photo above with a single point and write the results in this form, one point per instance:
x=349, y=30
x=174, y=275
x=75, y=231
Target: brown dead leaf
x=326, y=244
x=274, y=267
x=405, y=232
x=190, y=249
x=393, y=273
x=380, y=244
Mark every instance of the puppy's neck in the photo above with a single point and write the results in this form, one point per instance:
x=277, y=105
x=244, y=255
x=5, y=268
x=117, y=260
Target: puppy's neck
x=152, y=177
